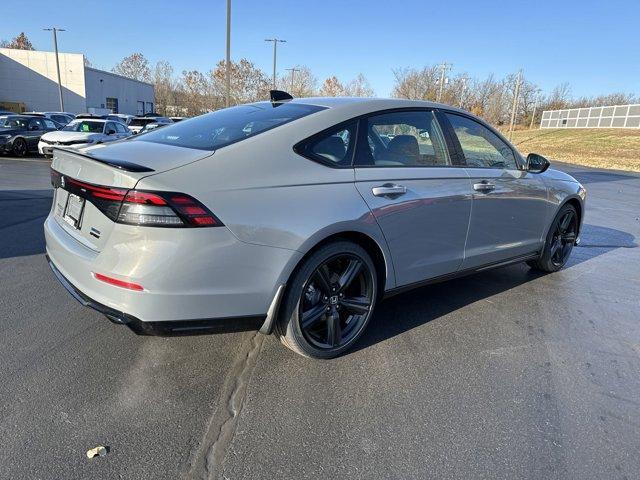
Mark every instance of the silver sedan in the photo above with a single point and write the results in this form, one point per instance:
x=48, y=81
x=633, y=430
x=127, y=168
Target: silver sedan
x=297, y=216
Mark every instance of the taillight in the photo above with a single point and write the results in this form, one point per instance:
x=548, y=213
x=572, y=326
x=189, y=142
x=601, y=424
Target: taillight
x=140, y=207
x=118, y=283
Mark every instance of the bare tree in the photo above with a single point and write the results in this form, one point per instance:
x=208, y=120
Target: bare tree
x=164, y=87
x=21, y=42
x=416, y=84
x=134, y=66
x=192, y=92
x=332, y=87
x=305, y=84
x=359, y=87
x=248, y=83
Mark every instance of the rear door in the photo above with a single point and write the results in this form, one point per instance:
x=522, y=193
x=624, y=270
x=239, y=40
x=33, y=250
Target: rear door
x=34, y=132
x=421, y=200
x=510, y=205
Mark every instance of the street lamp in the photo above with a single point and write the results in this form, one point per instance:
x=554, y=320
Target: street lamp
x=275, y=49
x=55, y=46
x=227, y=70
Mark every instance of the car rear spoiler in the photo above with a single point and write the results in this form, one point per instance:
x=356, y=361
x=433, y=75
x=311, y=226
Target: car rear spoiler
x=119, y=164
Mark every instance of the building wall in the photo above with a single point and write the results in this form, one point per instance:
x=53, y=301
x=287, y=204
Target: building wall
x=101, y=85
x=614, y=116
x=30, y=77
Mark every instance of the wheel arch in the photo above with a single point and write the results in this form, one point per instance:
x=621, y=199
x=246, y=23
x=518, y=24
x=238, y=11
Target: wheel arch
x=575, y=202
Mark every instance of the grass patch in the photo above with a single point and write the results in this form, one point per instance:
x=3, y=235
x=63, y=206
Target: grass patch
x=595, y=147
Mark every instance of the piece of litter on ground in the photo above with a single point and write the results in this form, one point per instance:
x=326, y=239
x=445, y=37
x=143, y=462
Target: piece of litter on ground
x=99, y=451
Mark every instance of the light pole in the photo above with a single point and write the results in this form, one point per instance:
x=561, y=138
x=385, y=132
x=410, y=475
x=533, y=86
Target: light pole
x=444, y=67
x=55, y=46
x=293, y=71
x=514, y=107
x=227, y=70
x=275, y=50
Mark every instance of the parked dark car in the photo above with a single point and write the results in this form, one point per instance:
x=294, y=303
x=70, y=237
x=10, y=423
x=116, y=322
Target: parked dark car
x=20, y=134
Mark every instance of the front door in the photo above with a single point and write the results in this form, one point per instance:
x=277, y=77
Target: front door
x=420, y=200
x=510, y=207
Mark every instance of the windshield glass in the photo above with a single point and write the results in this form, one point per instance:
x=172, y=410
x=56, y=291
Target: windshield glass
x=15, y=122
x=227, y=126
x=86, y=126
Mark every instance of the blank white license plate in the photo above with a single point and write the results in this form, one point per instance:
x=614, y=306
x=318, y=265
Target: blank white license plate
x=73, y=212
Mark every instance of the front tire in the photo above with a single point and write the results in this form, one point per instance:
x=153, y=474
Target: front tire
x=20, y=147
x=329, y=301
x=560, y=241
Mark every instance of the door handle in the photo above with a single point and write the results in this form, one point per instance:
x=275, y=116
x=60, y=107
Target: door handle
x=389, y=190
x=484, y=186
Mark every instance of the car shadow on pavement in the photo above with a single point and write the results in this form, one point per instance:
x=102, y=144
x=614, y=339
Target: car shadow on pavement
x=22, y=214
x=587, y=177
x=409, y=310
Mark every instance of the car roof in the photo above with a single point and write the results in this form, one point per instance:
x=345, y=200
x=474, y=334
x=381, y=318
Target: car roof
x=373, y=103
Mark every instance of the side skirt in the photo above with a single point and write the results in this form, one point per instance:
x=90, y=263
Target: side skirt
x=460, y=273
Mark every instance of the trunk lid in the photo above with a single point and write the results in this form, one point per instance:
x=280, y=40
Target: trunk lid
x=120, y=166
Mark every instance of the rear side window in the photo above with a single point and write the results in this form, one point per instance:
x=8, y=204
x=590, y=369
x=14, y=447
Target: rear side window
x=333, y=147
x=403, y=139
x=224, y=127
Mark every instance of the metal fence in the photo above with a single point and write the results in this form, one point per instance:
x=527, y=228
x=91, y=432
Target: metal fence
x=615, y=116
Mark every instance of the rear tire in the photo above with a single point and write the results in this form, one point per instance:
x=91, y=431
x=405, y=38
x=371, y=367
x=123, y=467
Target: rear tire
x=559, y=242
x=329, y=301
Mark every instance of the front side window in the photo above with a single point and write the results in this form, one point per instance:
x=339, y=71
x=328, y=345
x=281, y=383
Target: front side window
x=49, y=124
x=481, y=147
x=120, y=128
x=403, y=139
x=224, y=127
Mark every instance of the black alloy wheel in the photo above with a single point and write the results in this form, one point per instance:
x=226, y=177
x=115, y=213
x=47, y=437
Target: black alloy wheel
x=560, y=241
x=19, y=147
x=329, y=300
x=564, y=238
x=336, y=301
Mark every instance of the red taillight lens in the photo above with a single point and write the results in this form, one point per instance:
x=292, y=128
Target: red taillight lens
x=118, y=283
x=139, y=207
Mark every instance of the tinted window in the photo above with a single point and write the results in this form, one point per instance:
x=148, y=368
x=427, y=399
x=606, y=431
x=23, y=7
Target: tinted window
x=227, y=126
x=36, y=124
x=335, y=146
x=15, y=122
x=403, y=139
x=481, y=147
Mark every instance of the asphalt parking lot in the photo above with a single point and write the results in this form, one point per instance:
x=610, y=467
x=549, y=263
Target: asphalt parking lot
x=508, y=374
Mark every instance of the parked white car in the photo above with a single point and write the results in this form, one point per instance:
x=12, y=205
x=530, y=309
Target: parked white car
x=83, y=133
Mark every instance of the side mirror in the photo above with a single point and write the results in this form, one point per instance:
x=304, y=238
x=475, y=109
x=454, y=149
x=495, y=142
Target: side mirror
x=537, y=163
x=34, y=127
x=111, y=132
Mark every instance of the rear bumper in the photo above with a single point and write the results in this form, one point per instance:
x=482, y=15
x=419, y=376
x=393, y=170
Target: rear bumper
x=165, y=328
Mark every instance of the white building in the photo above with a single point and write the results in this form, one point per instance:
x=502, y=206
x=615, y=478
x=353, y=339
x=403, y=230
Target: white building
x=30, y=78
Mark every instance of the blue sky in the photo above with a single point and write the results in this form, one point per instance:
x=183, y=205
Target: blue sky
x=593, y=45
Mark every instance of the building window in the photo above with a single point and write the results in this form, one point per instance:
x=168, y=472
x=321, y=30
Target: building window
x=149, y=108
x=112, y=104
x=140, y=108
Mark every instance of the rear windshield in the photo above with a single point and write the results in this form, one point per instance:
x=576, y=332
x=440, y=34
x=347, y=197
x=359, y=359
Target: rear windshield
x=224, y=127
x=141, y=122
x=84, y=126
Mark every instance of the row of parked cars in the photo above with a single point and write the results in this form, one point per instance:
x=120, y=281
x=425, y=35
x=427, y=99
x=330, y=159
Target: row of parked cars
x=42, y=131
